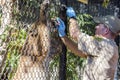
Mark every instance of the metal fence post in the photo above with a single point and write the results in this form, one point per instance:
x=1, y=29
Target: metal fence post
x=63, y=59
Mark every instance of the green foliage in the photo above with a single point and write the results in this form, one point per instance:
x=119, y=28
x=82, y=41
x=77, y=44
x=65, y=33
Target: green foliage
x=74, y=62
x=28, y=10
x=0, y=18
x=105, y=3
x=4, y=34
x=86, y=23
x=14, y=46
x=98, y=38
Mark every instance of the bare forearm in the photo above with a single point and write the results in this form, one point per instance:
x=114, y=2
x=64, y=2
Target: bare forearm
x=73, y=47
x=73, y=29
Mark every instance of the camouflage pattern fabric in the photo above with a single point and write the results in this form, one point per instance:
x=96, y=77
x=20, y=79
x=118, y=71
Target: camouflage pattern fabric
x=102, y=57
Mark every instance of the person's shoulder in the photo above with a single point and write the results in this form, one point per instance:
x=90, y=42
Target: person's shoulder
x=98, y=38
x=83, y=37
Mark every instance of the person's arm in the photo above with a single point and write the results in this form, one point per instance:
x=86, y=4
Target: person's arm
x=73, y=24
x=73, y=29
x=73, y=47
x=68, y=42
x=86, y=45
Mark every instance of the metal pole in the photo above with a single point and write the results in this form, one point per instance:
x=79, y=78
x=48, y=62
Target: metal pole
x=63, y=59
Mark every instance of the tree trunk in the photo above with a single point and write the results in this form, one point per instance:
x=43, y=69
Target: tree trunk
x=6, y=14
x=40, y=46
x=7, y=6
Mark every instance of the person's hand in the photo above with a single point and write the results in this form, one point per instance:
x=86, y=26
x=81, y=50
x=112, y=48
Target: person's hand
x=70, y=12
x=61, y=27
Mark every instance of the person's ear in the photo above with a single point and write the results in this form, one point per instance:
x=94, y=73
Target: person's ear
x=106, y=31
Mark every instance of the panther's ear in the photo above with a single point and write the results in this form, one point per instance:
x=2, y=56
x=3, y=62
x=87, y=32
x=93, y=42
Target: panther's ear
x=44, y=9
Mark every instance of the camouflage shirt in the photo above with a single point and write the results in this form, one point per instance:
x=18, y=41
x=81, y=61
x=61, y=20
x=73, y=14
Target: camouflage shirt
x=102, y=57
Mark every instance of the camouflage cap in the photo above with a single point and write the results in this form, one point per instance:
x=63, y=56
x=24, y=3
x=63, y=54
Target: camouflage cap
x=110, y=21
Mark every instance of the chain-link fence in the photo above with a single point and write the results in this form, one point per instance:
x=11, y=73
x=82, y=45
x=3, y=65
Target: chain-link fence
x=100, y=8
x=28, y=49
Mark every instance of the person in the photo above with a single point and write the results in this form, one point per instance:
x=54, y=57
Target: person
x=100, y=51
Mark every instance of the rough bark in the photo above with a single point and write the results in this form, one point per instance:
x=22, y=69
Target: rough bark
x=6, y=14
x=7, y=6
x=41, y=44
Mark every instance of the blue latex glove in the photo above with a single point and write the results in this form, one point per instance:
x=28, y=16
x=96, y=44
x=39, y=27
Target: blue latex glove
x=70, y=12
x=61, y=27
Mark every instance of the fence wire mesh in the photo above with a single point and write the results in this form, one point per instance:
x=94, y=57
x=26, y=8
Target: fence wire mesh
x=20, y=54
x=18, y=62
